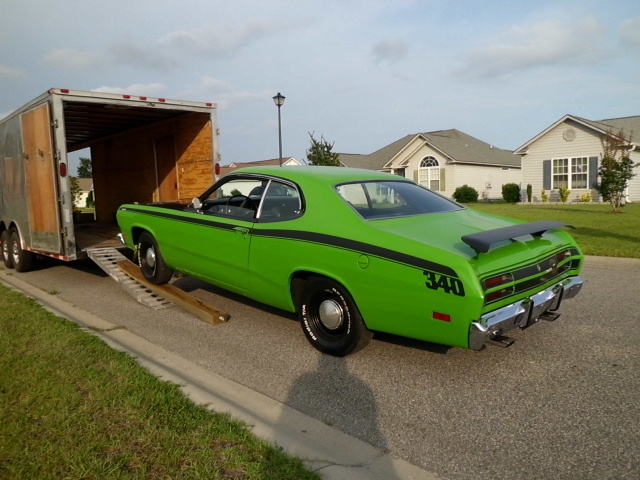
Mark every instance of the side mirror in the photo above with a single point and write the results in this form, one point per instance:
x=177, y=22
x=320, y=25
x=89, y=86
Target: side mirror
x=197, y=204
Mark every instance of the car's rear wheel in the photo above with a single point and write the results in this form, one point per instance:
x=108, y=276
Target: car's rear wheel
x=22, y=259
x=151, y=262
x=5, y=241
x=330, y=319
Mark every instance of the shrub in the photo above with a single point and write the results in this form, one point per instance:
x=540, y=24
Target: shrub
x=586, y=197
x=544, y=196
x=465, y=194
x=529, y=192
x=563, y=193
x=511, y=192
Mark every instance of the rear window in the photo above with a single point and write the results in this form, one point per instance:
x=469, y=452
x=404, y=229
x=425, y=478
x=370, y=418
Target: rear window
x=388, y=199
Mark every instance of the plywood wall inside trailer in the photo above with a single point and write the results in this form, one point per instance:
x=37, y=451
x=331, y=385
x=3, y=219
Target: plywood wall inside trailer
x=137, y=166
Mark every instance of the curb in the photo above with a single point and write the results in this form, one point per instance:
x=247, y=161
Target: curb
x=330, y=452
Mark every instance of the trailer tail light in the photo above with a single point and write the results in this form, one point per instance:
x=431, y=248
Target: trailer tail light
x=217, y=169
x=62, y=168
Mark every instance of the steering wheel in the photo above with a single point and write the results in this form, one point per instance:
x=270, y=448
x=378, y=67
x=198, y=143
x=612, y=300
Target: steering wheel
x=246, y=203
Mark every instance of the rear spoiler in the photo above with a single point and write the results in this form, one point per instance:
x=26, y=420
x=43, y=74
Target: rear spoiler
x=482, y=241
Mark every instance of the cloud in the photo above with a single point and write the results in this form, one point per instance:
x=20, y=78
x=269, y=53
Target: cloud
x=176, y=48
x=72, y=59
x=630, y=33
x=9, y=72
x=149, y=89
x=219, y=41
x=144, y=55
x=224, y=94
x=552, y=42
x=390, y=51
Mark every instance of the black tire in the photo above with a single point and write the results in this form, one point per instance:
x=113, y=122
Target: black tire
x=5, y=242
x=22, y=259
x=330, y=319
x=151, y=262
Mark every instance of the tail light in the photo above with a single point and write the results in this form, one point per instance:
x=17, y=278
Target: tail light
x=503, y=280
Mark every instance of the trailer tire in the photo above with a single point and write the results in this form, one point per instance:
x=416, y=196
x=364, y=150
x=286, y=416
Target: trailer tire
x=151, y=262
x=22, y=259
x=5, y=241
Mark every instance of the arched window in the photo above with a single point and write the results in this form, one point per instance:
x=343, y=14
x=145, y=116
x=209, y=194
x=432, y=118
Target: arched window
x=429, y=173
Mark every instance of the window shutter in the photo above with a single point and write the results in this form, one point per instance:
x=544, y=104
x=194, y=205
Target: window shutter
x=416, y=177
x=546, y=174
x=593, y=172
x=442, y=183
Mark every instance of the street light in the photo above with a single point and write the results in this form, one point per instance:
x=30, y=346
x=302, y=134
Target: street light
x=279, y=101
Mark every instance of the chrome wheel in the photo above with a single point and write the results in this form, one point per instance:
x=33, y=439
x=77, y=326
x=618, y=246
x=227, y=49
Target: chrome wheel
x=331, y=314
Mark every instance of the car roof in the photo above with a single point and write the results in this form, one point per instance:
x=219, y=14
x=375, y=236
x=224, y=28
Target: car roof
x=332, y=175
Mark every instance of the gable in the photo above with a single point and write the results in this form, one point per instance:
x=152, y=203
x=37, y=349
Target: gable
x=449, y=146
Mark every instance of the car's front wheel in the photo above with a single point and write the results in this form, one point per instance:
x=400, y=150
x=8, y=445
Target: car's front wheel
x=151, y=262
x=330, y=319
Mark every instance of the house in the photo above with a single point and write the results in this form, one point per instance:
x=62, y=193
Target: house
x=443, y=161
x=86, y=187
x=569, y=152
x=226, y=169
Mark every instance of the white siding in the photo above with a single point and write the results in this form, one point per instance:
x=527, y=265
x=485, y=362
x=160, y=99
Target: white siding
x=486, y=180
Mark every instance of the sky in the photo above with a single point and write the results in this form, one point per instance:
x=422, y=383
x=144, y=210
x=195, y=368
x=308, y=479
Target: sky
x=360, y=73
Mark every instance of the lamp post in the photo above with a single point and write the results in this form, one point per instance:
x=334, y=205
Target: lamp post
x=279, y=101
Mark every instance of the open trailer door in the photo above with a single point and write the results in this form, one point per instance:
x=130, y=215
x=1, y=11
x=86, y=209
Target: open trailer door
x=40, y=169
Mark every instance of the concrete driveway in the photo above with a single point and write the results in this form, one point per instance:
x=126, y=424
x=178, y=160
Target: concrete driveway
x=563, y=402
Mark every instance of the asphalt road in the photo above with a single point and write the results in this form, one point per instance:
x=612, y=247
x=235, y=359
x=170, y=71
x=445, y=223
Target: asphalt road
x=563, y=402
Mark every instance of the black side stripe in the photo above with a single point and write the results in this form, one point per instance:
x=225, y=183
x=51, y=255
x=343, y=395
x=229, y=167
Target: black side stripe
x=357, y=246
x=320, y=238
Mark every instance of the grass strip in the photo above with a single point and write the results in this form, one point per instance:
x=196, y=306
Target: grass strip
x=598, y=230
x=71, y=407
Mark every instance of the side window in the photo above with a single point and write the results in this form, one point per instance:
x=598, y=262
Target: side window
x=280, y=202
x=237, y=198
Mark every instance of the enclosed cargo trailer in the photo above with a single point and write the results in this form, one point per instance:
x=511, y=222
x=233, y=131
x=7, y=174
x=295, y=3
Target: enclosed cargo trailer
x=142, y=150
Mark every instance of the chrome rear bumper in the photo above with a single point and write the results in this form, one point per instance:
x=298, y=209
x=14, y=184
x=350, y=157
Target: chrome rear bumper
x=523, y=313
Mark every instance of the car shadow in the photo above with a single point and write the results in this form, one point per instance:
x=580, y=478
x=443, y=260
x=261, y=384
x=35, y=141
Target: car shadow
x=191, y=284
x=412, y=343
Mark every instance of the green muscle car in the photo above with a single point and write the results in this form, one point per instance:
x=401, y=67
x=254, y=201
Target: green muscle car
x=357, y=251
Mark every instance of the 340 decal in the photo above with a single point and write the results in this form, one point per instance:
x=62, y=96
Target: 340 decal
x=436, y=281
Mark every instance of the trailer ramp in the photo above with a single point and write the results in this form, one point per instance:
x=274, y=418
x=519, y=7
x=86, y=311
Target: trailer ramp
x=107, y=259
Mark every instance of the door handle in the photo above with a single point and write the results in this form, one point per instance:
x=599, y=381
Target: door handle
x=242, y=230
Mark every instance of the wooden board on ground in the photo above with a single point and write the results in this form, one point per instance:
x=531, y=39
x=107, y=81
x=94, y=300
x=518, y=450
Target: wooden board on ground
x=179, y=297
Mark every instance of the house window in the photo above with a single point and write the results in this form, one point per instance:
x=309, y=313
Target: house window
x=429, y=173
x=572, y=172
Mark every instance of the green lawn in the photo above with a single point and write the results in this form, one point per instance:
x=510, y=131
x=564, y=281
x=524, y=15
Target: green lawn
x=598, y=230
x=71, y=407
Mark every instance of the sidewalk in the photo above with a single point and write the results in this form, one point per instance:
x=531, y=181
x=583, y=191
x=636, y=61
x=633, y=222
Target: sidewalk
x=333, y=454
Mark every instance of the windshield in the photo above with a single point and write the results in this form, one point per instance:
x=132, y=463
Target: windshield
x=388, y=199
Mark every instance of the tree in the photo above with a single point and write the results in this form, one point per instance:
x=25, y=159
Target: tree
x=76, y=191
x=616, y=168
x=85, y=169
x=319, y=153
